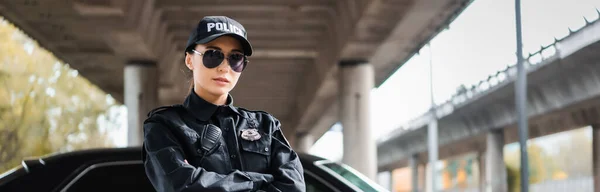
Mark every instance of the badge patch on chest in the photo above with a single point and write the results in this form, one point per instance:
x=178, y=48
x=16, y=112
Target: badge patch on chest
x=250, y=134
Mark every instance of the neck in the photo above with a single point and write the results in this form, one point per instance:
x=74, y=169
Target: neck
x=214, y=99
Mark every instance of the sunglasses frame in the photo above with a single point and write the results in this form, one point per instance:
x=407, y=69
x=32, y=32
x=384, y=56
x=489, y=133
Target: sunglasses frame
x=225, y=58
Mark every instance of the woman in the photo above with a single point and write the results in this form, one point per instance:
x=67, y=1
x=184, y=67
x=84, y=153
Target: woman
x=207, y=144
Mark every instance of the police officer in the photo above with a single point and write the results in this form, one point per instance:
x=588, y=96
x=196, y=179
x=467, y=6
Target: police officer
x=207, y=144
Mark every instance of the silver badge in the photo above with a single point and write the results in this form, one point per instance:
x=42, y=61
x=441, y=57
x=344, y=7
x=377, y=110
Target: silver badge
x=250, y=134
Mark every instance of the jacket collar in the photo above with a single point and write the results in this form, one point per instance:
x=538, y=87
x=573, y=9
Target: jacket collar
x=203, y=109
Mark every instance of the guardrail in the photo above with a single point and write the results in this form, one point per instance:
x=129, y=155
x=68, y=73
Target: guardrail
x=464, y=95
x=533, y=59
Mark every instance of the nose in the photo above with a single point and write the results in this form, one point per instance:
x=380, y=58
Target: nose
x=224, y=66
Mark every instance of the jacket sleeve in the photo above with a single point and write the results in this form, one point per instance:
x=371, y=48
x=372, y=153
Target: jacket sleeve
x=165, y=167
x=285, y=165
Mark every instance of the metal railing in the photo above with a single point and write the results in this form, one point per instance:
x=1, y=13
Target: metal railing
x=464, y=95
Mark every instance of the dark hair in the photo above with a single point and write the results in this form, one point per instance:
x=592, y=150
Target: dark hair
x=189, y=49
x=188, y=73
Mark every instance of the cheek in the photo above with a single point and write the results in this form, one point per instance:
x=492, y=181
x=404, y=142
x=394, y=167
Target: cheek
x=197, y=65
x=201, y=75
x=234, y=78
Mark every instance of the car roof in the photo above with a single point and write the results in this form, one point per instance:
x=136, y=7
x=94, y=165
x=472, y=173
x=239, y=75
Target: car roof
x=69, y=162
x=126, y=153
x=91, y=156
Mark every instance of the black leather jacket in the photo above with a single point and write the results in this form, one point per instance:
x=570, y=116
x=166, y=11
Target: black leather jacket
x=199, y=146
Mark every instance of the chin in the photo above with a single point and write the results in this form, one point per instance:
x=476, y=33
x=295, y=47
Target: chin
x=219, y=91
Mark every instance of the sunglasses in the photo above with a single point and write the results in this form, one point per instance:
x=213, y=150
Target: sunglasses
x=213, y=58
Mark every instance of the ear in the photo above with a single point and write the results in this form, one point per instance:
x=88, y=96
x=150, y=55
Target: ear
x=188, y=61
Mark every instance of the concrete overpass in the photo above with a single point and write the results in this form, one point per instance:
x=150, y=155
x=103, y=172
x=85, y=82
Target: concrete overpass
x=563, y=94
x=133, y=50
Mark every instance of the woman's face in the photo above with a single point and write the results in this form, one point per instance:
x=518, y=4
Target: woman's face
x=216, y=81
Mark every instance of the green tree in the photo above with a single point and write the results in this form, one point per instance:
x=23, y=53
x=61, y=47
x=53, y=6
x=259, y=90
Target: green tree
x=541, y=166
x=513, y=178
x=577, y=148
x=45, y=107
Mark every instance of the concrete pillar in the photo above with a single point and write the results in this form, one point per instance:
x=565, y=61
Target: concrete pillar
x=423, y=177
x=356, y=81
x=291, y=137
x=596, y=156
x=494, y=162
x=304, y=142
x=428, y=178
x=481, y=167
x=385, y=180
x=141, y=96
x=432, y=150
x=414, y=169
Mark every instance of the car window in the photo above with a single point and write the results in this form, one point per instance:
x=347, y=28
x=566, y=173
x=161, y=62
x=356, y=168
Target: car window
x=111, y=177
x=352, y=176
x=315, y=185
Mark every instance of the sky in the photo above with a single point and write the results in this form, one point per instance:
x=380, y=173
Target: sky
x=480, y=42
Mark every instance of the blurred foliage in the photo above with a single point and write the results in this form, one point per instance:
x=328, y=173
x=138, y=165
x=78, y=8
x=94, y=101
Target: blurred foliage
x=568, y=155
x=541, y=166
x=512, y=178
x=578, y=149
x=458, y=173
x=46, y=107
x=545, y=167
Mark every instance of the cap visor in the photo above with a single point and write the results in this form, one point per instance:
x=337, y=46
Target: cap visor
x=245, y=44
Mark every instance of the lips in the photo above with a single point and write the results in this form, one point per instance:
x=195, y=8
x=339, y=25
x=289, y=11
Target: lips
x=221, y=79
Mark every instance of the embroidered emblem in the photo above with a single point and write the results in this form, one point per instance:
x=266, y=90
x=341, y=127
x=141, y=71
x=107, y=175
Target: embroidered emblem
x=250, y=134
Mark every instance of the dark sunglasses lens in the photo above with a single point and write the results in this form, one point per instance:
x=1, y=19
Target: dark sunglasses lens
x=212, y=58
x=236, y=60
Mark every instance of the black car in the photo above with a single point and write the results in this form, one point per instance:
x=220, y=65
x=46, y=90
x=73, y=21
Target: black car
x=121, y=169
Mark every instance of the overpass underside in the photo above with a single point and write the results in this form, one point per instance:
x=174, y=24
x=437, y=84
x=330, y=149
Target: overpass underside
x=299, y=43
x=563, y=94
x=133, y=50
